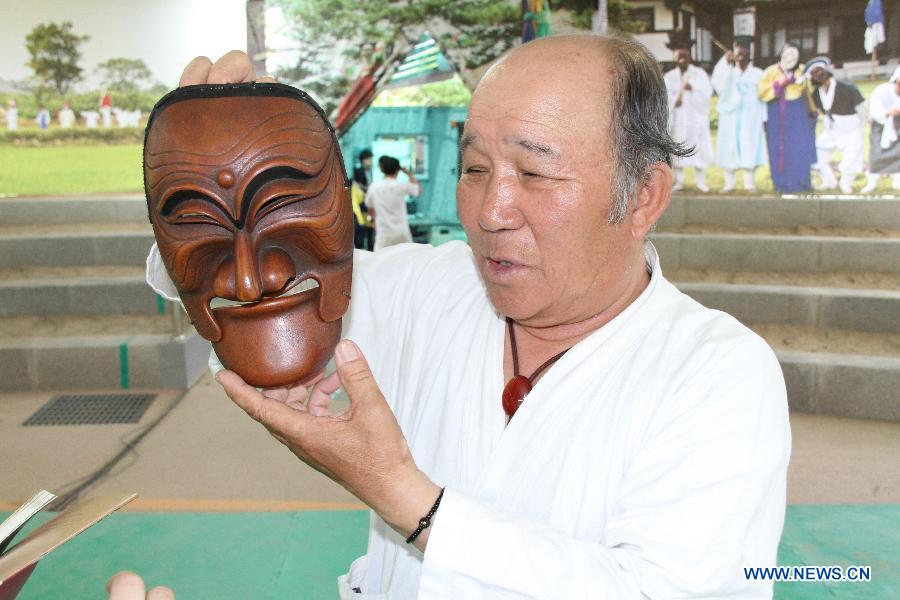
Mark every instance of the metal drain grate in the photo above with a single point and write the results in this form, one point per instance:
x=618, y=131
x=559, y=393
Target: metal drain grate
x=92, y=409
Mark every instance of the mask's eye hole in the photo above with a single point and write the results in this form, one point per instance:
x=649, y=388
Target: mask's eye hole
x=189, y=207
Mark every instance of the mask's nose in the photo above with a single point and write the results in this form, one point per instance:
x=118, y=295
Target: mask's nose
x=249, y=276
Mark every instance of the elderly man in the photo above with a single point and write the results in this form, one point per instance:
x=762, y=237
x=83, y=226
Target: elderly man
x=540, y=413
x=843, y=111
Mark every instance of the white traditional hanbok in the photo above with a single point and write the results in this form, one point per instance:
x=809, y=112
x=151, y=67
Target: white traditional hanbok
x=689, y=122
x=884, y=146
x=741, y=141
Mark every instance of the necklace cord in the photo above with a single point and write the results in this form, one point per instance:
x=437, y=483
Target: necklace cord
x=515, y=354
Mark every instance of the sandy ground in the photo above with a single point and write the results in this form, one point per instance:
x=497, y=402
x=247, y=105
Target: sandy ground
x=11, y=274
x=859, y=281
x=76, y=228
x=807, y=230
x=810, y=339
x=64, y=326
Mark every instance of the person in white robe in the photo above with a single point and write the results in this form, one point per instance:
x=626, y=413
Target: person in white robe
x=689, y=92
x=884, y=146
x=843, y=111
x=12, y=115
x=66, y=116
x=649, y=460
x=741, y=140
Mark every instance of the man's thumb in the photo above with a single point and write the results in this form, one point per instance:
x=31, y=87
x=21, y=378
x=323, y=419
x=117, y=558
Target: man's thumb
x=353, y=371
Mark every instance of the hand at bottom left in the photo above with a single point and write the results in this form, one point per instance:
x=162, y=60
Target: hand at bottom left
x=126, y=585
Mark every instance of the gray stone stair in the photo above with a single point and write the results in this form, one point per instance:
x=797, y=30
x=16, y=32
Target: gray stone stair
x=105, y=290
x=818, y=278
x=75, y=312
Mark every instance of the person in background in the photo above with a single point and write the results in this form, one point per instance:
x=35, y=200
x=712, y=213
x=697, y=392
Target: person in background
x=741, y=143
x=91, y=118
x=689, y=92
x=791, y=123
x=12, y=115
x=386, y=200
x=843, y=110
x=363, y=233
x=884, y=146
x=66, y=116
x=106, y=109
x=43, y=118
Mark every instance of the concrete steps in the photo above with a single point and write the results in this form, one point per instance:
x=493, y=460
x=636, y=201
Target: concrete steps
x=76, y=245
x=818, y=278
x=75, y=312
x=108, y=290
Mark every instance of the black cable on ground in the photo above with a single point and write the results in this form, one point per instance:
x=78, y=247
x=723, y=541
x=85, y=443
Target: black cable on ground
x=68, y=498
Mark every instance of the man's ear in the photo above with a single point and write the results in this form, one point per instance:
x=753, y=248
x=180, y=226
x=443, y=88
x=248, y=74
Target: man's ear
x=653, y=195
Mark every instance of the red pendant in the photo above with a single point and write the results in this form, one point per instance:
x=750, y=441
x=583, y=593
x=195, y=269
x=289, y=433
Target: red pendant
x=514, y=393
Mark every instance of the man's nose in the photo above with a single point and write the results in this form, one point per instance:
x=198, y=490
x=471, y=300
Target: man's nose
x=499, y=205
x=250, y=274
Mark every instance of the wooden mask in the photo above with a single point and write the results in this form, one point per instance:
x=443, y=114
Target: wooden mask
x=250, y=204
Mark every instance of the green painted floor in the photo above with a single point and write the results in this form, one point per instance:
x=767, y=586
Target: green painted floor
x=299, y=555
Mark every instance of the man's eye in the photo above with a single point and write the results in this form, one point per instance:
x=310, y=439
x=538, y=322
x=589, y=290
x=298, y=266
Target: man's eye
x=474, y=170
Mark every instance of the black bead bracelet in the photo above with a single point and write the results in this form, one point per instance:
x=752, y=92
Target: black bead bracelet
x=425, y=521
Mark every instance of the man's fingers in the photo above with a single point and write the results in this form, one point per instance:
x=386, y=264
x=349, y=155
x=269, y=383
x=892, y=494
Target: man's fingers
x=196, y=72
x=320, y=399
x=265, y=79
x=274, y=415
x=281, y=394
x=354, y=373
x=161, y=593
x=234, y=67
x=126, y=585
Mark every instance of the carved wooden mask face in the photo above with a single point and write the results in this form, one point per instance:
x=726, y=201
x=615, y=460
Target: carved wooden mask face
x=250, y=203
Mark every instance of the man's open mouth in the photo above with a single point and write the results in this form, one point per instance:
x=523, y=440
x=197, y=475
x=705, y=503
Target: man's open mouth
x=292, y=289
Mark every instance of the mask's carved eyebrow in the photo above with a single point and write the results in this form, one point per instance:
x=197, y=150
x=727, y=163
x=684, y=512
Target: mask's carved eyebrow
x=264, y=178
x=542, y=150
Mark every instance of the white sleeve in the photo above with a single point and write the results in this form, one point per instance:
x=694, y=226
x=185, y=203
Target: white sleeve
x=671, y=89
x=704, y=498
x=413, y=189
x=701, y=91
x=721, y=76
x=877, y=108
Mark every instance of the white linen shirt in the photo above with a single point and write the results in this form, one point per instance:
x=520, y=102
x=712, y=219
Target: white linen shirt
x=650, y=461
x=387, y=197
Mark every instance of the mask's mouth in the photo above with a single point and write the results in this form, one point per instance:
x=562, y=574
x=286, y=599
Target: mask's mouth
x=291, y=289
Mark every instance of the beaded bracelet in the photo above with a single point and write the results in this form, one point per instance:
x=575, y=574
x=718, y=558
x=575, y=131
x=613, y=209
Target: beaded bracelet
x=425, y=521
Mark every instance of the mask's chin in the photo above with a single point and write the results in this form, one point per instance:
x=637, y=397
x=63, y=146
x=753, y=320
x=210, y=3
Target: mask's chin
x=276, y=341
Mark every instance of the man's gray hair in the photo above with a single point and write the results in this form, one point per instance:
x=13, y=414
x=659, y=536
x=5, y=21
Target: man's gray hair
x=639, y=120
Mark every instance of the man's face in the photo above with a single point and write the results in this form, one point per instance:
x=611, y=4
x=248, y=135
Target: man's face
x=535, y=189
x=742, y=57
x=247, y=199
x=818, y=76
x=682, y=58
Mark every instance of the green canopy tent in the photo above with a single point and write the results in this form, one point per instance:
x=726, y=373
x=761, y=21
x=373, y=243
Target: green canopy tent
x=424, y=138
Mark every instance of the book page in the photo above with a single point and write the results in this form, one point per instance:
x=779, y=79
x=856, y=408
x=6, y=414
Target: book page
x=55, y=532
x=14, y=522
